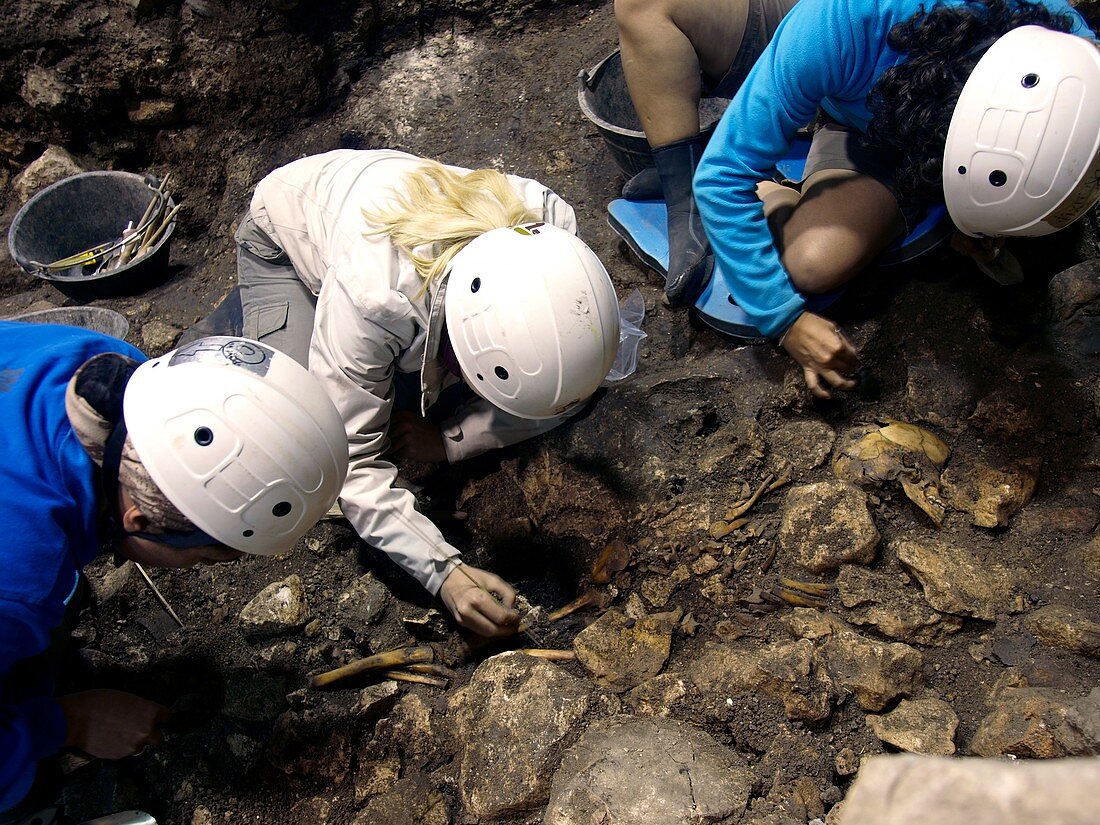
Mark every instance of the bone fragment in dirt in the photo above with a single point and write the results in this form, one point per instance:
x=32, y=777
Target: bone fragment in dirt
x=379, y=661
x=721, y=529
x=743, y=507
x=442, y=671
x=552, y=655
x=614, y=557
x=416, y=678
x=797, y=599
x=589, y=598
x=820, y=589
x=764, y=568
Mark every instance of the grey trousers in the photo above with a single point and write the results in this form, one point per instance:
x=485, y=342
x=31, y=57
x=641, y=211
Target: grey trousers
x=278, y=308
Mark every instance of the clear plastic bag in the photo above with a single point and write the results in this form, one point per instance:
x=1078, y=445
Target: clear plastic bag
x=631, y=317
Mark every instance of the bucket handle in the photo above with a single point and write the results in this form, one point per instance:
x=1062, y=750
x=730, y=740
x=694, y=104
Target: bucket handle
x=590, y=77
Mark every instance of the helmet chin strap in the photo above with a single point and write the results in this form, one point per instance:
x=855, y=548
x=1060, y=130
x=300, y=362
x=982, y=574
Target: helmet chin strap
x=112, y=460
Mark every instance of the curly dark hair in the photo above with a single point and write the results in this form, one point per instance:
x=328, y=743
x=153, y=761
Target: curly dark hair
x=911, y=104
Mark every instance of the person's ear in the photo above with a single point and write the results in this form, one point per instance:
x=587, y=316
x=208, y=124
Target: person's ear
x=133, y=520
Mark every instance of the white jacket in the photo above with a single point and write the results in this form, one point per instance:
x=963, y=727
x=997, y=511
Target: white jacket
x=374, y=317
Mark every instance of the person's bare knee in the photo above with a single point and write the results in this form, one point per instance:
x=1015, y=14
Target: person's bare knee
x=820, y=261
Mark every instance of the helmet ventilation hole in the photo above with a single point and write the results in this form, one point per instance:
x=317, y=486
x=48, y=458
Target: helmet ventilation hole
x=247, y=534
x=501, y=373
x=962, y=170
x=281, y=509
x=998, y=177
x=480, y=377
x=204, y=437
x=475, y=284
x=1030, y=80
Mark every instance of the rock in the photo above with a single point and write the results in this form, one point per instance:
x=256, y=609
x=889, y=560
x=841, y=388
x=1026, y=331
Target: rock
x=108, y=584
x=308, y=744
x=1090, y=555
x=51, y=166
x=657, y=696
x=954, y=580
x=254, y=696
x=846, y=762
x=629, y=770
x=201, y=816
x=827, y=524
x=1064, y=520
x=363, y=602
x=918, y=726
x=413, y=800
x=935, y=393
x=882, y=601
x=158, y=337
x=315, y=810
x=512, y=719
x=787, y=671
x=735, y=447
x=154, y=114
x=657, y=589
x=907, y=789
x=874, y=672
x=799, y=446
x=1073, y=290
x=45, y=91
x=278, y=608
x=1008, y=413
x=376, y=776
x=377, y=700
x=1066, y=628
x=621, y=653
x=1040, y=724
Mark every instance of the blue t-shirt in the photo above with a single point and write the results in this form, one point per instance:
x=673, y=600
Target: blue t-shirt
x=48, y=518
x=827, y=54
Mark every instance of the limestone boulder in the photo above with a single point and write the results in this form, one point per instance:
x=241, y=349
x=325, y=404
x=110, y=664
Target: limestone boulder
x=1065, y=627
x=621, y=652
x=955, y=580
x=629, y=770
x=512, y=720
x=918, y=726
x=827, y=524
x=892, y=607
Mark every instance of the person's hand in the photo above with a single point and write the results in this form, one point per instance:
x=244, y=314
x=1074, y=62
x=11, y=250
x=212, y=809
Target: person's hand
x=110, y=724
x=480, y=601
x=415, y=439
x=823, y=353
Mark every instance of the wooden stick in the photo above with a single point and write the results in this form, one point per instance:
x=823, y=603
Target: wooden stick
x=552, y=655
x=405, y=676
x=152, y=241
x=391, y=658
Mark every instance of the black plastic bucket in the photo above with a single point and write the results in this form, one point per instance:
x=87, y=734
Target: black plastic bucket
x=97, y=319
x=605, y=100
x=78, y=213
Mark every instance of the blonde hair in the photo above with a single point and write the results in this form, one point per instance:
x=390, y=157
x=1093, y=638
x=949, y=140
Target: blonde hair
x=442, y=210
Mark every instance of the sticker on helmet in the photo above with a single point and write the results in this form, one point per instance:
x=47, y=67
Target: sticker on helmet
x=528, y=228
x=221, y=349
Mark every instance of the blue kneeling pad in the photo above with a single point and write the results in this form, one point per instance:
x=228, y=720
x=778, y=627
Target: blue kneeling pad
x=644, y=227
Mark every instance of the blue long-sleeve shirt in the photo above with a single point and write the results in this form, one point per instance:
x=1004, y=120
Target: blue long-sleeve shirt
x=827, y=54
x=48, y=519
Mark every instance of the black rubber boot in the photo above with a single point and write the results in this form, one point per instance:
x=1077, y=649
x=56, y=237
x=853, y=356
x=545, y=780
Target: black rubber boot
x=690, y=263
x=644, y=186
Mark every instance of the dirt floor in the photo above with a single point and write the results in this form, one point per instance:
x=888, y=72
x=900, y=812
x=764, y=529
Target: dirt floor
x=1006, y=377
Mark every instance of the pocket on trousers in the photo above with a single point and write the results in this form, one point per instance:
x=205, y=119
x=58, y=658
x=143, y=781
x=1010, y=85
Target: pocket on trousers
x=265, y=319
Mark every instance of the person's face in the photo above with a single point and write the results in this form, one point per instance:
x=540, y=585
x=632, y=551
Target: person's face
x=154, y=554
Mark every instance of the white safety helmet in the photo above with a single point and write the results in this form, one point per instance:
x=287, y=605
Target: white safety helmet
x=240, y=438
x=533, y=319
x=1023, y=146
